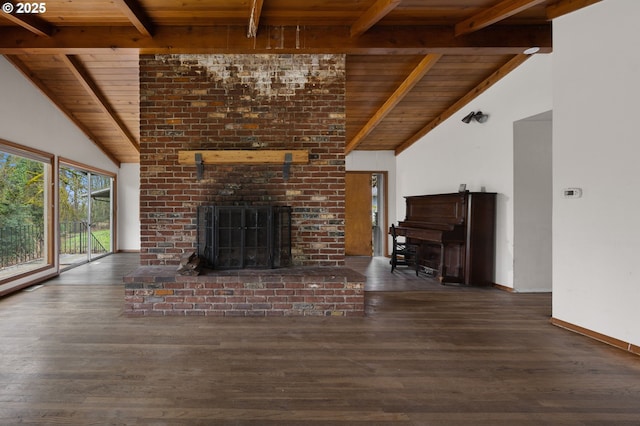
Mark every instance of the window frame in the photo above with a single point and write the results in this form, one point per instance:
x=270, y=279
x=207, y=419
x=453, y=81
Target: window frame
x=48, y=160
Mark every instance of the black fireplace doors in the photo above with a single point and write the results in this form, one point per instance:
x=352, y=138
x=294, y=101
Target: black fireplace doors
x=236, y=237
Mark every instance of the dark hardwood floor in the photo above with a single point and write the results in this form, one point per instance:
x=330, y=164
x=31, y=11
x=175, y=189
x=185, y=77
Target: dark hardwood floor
x=426, y=355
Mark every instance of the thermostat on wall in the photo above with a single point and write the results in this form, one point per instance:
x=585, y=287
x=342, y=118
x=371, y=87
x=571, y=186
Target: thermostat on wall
x=572, y=192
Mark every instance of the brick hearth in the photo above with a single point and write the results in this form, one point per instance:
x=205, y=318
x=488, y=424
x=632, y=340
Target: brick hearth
x=297, y=291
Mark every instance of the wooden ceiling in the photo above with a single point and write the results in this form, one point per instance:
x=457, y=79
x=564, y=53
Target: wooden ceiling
x=411, y=64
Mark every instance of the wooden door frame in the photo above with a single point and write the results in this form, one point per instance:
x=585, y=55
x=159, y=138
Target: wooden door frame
x=385, y=207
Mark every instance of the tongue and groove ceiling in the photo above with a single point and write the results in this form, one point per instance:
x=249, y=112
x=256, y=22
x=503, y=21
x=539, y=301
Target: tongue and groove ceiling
x=410, y=64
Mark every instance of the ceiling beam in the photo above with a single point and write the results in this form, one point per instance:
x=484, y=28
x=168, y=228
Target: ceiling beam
x=567, y=6
x=496, y=13
x=512, y=64
x=254, y=18
x=379, y=40
x=137, y=16
x=77, y=69
x=405, y=87
x=32, y=23
x=24, y=69
x=375, y=13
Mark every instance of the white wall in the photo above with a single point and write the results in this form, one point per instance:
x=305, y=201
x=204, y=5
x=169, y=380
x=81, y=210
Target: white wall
x=28, y=118
x=129, y=207
x=480, y=155
x=596, y=65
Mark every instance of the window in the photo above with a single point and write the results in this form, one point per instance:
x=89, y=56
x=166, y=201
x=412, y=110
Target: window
x=26, y=242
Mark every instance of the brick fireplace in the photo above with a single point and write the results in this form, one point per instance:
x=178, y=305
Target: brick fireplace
x=243, y=102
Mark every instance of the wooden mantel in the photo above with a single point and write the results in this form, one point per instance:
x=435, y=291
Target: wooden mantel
x=245, y=156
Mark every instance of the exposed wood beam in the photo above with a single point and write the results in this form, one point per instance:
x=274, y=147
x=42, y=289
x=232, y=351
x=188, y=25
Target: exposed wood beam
x=379, y=40
x=22, y=67
x=375, y=13
x=515, y=62
x=405, y=87
x=31, y=22
x=254, y=17
x=77, y=69
x=496, y=13
x=567, y=6
x=137, y=16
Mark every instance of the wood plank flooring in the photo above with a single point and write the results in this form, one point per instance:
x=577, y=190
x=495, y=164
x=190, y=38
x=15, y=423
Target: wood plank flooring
x=430, y=356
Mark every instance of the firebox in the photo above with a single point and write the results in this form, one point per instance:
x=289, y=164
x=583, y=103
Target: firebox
x=236, y=237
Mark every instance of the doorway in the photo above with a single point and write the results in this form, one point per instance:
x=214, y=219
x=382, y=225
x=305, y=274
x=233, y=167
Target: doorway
x=365, y=214
x=532, y=203
x=85, y=215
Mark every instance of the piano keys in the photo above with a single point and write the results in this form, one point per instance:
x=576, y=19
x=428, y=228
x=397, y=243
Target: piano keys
x=456, y=235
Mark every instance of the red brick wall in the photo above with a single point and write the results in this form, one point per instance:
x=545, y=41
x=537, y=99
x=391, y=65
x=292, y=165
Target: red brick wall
x=306, y=291
x=193, y=102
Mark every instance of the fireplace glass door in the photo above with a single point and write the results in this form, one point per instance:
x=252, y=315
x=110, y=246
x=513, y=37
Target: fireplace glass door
x=230, y=238
x=257, y=238
x=233, y=237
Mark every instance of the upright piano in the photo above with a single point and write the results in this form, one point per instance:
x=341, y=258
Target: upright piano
x=455, y=233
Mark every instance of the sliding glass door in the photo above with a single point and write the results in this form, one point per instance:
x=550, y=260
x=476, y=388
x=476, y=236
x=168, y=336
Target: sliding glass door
x=86, y=220
x=100, y=209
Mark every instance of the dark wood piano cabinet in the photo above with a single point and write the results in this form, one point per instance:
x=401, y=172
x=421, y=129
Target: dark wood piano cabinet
x=456, y=234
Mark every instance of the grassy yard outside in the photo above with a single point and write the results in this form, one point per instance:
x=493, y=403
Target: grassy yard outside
x=77, y=241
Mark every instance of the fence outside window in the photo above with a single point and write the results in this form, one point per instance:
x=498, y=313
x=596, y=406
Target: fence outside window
x=21, y=244
x=25, y=244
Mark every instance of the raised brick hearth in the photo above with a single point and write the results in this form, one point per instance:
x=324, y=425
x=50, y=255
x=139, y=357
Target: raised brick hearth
x=297, y=291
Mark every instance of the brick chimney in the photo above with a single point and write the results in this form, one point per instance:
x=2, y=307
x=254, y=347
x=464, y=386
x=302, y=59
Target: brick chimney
x=242, y=102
